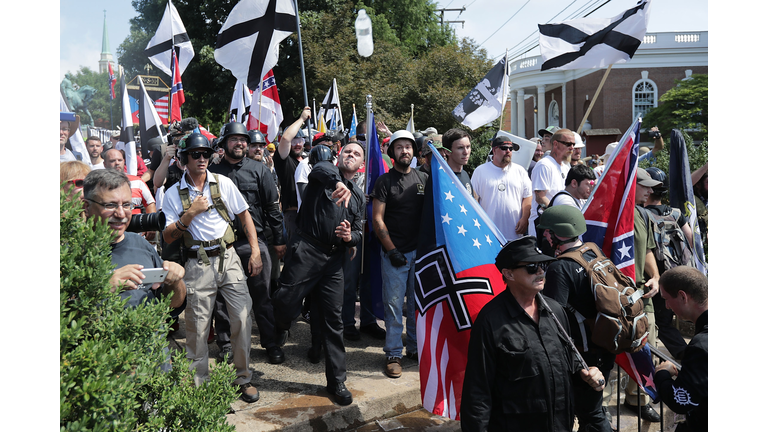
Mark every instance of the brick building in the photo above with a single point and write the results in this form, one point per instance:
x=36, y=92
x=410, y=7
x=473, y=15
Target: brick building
x=561, y=98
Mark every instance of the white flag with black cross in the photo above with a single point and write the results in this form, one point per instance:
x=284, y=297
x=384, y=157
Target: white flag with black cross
x=330, y=110
x=170, y=34
x=587, y=43
x=249, y=40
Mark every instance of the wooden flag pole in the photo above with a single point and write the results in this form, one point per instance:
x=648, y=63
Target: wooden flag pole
x=594, y=98
x=504, y=92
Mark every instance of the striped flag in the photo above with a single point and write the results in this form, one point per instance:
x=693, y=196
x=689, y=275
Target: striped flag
x=269, y=116
x=330, y=109
x=177, y=91
x=170, y=37
x=455, y=278
x=127, y=142
x=587, y=43
x=240, y=105
x=610, y=209
x=161, y=106
x=149, y=119
x=249, y=40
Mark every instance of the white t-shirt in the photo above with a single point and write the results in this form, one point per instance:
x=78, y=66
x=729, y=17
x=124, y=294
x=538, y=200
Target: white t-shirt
x=501, y=192
x=301, y=175
x=208, y=225
x=567, y=199
x=548, y=176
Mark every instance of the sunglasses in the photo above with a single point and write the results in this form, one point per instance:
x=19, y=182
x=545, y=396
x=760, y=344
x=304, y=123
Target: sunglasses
x=78, y=183
x=567, y=144
x=198, y=155
x=513, y=147
x=533, y=268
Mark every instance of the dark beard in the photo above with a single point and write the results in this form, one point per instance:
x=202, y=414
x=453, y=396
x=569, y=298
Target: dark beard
x=232, y=155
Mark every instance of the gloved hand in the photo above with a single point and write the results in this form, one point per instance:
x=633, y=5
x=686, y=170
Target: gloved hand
x=397, y=258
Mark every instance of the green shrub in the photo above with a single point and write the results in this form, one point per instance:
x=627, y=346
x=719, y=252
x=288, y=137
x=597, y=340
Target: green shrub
x=110, y=357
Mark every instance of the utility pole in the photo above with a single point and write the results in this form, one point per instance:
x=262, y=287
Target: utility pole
x=442, y=16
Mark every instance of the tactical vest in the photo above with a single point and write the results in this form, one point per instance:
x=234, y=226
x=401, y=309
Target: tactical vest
x=218, y=204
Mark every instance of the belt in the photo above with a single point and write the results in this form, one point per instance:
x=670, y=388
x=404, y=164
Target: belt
x=322, y=247
x=210, y=252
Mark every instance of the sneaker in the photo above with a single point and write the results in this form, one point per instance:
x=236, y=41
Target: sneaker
x=225, y=354
x=351, y=333
x=340, y=393
x=373, y=330
x=394, y=367
x=249, y=393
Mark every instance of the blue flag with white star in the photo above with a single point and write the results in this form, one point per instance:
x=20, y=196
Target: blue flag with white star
x=455, y=277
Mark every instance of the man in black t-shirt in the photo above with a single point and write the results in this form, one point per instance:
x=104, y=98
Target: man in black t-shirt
x=286, y=159
x=398, y=198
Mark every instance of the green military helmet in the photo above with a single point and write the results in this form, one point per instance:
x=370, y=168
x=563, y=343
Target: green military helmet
x=563, y=220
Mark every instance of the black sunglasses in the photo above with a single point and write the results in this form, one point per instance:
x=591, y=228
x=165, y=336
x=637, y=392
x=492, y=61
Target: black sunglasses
x=566, y=143
x=533, y=268
x=197, y=155
x=513, y=147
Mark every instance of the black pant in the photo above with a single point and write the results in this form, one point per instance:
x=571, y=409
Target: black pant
x=307, y=270
x=258, y=288
x=589, y=402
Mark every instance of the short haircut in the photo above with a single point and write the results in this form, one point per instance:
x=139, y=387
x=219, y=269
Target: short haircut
x=73, y=170
x=93, y=138
x=579, y=172
x=105, y=152
x=687, y=279
x=103, y=179
x=353, y=142
x=452, y=135
x=560, y=133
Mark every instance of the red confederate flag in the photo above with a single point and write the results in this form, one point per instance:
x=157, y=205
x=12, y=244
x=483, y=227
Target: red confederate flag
x=177, y=90
x=610, y=210
x=112, y=81
x=268, y=117
x=455, y=277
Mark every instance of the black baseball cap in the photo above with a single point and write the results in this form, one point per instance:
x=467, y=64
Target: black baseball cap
x=522, y=250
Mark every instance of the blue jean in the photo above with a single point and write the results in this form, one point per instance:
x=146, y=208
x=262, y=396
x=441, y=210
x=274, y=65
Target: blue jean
x=397, y=283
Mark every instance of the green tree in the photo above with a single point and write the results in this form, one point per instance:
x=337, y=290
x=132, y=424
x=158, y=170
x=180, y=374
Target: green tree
x=683, y=107
x=101, y=104
x=110, y=357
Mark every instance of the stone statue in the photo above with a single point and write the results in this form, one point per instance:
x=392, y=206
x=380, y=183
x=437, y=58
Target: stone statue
x=78, y=98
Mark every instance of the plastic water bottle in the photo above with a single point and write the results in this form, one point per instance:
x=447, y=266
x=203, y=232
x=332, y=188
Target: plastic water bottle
x=364, y=32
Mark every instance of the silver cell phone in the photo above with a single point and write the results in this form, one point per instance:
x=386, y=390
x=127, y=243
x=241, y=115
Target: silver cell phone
x=152, y=275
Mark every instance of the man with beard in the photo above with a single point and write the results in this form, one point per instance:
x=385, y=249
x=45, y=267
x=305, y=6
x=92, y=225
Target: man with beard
x=255, y=182
x=398, y=199
x=94, y=147
x=504, y=189
x=211, y=264
x=107, y=196
x=330, y=220
x=287, y=158
x=548, y=176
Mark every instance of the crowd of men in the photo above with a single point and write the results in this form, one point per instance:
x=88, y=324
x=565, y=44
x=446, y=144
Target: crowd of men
x=235, y=208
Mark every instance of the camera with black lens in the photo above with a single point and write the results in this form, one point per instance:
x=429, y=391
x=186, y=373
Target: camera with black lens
x=654, y=134
x=147, y=222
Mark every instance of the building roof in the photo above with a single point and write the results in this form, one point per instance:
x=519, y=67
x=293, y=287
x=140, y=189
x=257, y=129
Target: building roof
x=601, y=132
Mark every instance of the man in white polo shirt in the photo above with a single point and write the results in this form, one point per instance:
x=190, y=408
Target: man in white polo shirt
x=199, y=210
x=548, y=176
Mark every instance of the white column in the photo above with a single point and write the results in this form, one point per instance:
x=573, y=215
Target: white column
x=512, y=114
x=521, y=112
x=562, y=114
x=542, y=103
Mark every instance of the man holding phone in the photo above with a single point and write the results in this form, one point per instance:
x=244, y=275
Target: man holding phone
x=107, y=196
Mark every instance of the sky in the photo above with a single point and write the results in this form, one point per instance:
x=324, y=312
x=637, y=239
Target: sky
x=81, y=23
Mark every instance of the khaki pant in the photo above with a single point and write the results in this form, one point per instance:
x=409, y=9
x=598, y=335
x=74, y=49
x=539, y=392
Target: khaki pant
x=203, y=282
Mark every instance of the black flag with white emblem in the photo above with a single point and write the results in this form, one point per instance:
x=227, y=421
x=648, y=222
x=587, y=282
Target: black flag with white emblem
x=484, y=103
x=587, y=43
x=249, y=40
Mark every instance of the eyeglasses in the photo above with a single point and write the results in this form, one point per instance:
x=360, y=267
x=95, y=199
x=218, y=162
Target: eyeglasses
x=78, y=183
x=238, y=140
x=567, y=144
x=513, y=147
x=197, y=155
x=533, y=268
x=127, y=206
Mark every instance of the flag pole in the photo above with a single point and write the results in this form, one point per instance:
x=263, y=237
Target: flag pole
x=505, y=91
x=368, y=117
x=261, y=92
x=591, y=104
x=301, y=60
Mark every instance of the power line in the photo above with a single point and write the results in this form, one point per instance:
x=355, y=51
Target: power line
x=505, y=23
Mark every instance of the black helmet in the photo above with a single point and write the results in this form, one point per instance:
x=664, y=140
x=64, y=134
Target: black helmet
x=319, y=153
x=154, y=144
x=564, y=220
x=659, y=175
x=193, y=141
x=257, y=137
x=232, y=128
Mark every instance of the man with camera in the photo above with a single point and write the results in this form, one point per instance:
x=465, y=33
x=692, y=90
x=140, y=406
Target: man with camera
x=107, y=196
x=199, y=212
x=255, y=182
